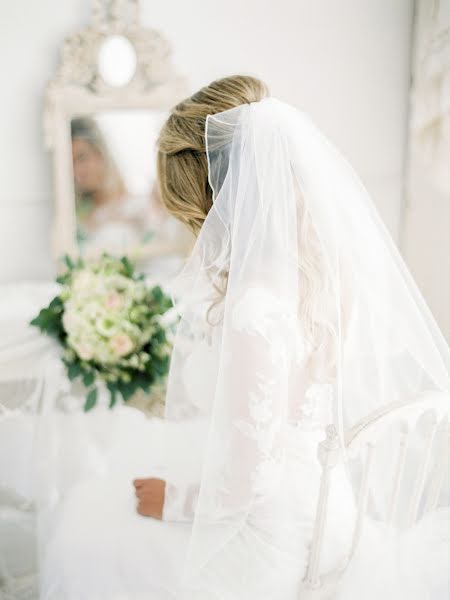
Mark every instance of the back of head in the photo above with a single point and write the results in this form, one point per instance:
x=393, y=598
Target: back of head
x=182, y=161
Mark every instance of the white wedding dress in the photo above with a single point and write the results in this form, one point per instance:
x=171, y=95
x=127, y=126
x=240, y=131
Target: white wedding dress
x=99, y=548
x=94, y=545
x=291, y=231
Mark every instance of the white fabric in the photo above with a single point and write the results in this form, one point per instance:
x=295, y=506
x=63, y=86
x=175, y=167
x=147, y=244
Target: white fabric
x=296, y=312
x=296, y=286
x=100, y=547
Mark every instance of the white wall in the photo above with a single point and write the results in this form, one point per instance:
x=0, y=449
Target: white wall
x=346, y=63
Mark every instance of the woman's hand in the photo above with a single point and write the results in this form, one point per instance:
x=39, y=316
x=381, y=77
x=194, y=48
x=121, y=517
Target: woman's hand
x=150, y=493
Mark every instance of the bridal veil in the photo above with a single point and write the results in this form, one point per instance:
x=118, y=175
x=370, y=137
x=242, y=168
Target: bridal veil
x=295, y=272
x=296, y=291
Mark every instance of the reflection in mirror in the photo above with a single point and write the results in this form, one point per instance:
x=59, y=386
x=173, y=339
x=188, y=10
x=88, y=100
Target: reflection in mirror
x=117, y=61
x=118, y=207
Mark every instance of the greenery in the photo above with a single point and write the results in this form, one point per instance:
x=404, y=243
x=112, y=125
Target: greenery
x=109, y=324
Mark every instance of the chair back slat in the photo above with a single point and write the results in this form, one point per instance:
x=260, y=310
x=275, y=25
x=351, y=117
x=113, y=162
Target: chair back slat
x=363, y=495
x=362, y=442
x=441, y=467
x=328, y=454
x=398, y=473
x=419, y=485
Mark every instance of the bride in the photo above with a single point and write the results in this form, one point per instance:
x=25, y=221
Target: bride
x=296, y=313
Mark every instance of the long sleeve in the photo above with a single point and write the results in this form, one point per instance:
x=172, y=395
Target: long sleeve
x=180, y=501
x=254, y=385
x=245, y=445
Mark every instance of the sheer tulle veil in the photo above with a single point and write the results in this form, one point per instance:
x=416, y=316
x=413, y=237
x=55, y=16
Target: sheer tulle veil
x=294, y=290
x=292, y=261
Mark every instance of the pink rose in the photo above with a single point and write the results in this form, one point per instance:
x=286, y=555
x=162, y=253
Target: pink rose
x=121, y=344
x=113, y=301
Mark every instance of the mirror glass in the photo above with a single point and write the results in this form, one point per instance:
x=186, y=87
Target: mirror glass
x=117, y=202
x=117, y=60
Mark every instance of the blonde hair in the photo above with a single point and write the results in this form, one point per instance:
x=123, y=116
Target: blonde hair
x=183, y=180
x=181, y=162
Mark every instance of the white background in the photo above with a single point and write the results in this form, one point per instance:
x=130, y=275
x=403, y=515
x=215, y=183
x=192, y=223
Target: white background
x=346, y=63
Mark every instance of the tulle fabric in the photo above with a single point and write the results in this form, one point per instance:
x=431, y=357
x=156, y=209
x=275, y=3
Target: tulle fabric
x=296, y=285
x=99, y=548
x=295, y=308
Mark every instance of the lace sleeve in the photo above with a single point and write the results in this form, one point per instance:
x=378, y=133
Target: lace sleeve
x=182, y=450
x=255, y=380
x=245, y=448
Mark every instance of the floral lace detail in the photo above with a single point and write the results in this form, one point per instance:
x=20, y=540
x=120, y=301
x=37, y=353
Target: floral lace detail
x=314, y=408
x=266, y=330
x=246, y=457
x=263, y=430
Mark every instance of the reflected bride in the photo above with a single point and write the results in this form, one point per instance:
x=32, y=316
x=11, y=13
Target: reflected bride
x=108, y=218
x=117, y=202
x=297, y=313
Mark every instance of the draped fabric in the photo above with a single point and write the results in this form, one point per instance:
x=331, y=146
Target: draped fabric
x=297, y=311
x=298, y=290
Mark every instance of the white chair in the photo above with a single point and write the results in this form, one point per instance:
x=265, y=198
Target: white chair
x=424, y=486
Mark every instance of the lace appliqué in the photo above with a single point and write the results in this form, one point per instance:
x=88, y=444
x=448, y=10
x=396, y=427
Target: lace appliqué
x=314, y=410
x=258, y=317
x=263, y=429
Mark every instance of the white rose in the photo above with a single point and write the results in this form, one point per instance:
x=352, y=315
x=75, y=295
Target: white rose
x=69, y=320
x=84, y=350
x=82, y=281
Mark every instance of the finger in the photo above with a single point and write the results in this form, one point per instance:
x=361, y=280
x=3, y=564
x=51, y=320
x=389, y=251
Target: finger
x=144, y=510
x=147, y=480
x=144, y=494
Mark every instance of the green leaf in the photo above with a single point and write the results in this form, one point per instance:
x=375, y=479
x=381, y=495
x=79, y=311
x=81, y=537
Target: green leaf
x=49, y=321
x=112, y=387
x=64, y=279
x=74, y=370
x=91, y=400
x=157, y=293
x=129, y=269
x=36, y=322
x=88, y=378
x=160, y=367
x=113, y=400
x=68, y=262
x=127, y=389
x=56, y=303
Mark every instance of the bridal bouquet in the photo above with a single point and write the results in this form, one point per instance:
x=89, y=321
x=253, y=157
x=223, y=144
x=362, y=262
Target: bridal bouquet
x=111, y=327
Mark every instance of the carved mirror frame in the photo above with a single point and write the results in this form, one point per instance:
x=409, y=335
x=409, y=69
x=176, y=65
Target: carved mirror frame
x=78, y=88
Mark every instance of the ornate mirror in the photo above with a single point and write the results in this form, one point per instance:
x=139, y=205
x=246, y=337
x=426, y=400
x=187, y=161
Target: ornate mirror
x=104, y=109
